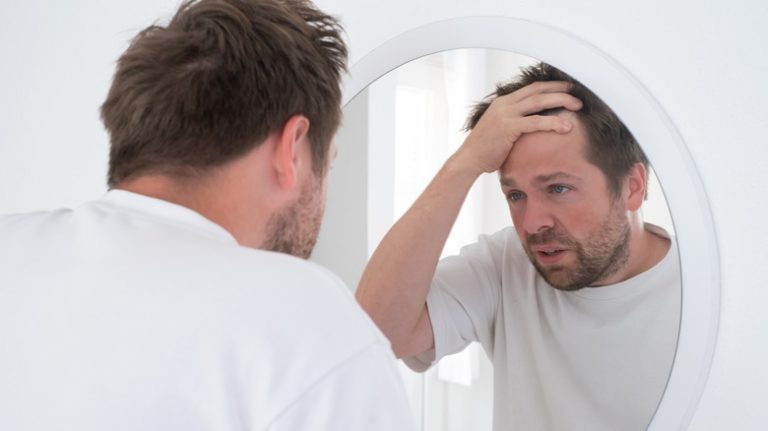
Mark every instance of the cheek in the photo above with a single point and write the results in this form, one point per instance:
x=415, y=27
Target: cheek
x=582, y=220
x=324, y=190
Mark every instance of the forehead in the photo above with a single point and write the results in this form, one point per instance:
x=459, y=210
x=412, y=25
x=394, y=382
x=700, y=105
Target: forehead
x=542, y=154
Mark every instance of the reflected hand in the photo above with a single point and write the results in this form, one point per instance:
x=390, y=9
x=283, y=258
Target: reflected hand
x=508, y=117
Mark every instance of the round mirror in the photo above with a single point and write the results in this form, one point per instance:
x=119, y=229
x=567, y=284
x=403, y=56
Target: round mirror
x=355, y=218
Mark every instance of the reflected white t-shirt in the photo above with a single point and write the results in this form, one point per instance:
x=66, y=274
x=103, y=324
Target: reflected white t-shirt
x=593, y=359
x=132, y=313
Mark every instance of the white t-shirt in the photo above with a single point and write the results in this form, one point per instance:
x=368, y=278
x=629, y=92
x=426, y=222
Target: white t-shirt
x=593, y=359
x=132, y=313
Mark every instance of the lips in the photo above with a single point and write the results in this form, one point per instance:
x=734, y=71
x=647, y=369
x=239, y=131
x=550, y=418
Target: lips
x=548, y=249
x=549, y=254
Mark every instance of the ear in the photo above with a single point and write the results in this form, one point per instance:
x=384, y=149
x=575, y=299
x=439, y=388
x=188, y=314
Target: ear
x=636, y=183
x=286, y=159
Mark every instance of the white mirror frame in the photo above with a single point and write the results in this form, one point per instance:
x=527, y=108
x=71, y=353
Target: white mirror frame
x=648, y=122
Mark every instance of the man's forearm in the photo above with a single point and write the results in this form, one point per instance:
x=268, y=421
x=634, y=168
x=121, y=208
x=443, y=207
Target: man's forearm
x=395, y=284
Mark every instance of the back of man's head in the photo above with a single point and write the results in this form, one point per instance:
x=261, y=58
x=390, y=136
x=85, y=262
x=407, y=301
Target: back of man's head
x=612, y=148
x=217, y=80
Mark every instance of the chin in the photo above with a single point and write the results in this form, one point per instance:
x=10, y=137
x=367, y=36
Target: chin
x=561, y=279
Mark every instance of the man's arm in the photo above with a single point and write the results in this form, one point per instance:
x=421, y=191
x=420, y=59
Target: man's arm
x=394, y=286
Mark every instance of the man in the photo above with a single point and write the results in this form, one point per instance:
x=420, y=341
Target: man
x=172, y=302
x=577, y=306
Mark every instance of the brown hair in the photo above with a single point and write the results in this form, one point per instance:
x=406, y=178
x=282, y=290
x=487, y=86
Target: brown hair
x=217, y=80
x=612, y=147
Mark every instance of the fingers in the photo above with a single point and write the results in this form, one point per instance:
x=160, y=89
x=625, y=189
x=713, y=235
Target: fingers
x=538, y=87
x=537, y=97
x=513, y=115
x=543, y=123
x=543, y=101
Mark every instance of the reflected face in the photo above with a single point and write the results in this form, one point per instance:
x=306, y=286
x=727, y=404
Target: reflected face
x=575, y=232
x=294, y=230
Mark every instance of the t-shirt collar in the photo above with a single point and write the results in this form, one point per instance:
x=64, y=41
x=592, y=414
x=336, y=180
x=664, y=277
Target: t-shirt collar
x=169, y=211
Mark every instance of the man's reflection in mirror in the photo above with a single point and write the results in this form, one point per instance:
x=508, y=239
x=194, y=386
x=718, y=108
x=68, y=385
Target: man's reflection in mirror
x=577, y=303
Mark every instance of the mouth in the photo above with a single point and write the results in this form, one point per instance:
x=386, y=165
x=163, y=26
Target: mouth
x=549, y=254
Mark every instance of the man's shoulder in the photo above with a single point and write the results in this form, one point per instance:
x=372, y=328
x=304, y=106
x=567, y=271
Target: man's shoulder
x=302, y=298
x=303, y=309
x=501, y=248
x=504, y=240
x=14, y=221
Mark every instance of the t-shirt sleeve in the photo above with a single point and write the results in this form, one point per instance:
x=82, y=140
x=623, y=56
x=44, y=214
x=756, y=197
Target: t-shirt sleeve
x=463, y=299
x=364, y=392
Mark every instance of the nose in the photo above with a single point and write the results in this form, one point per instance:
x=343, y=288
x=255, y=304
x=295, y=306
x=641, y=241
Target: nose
x=536, y=217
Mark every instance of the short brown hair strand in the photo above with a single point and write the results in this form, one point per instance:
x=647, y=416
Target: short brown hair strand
x=217, y=80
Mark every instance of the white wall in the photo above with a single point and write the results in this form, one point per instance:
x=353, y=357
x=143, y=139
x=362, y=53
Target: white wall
x=56, y=64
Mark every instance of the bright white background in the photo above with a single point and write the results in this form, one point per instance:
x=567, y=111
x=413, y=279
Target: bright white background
x=705, y=62
x=56, y=64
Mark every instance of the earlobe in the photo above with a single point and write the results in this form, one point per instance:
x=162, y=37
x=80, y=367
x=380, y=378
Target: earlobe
x=637, y=181
x=287, y=160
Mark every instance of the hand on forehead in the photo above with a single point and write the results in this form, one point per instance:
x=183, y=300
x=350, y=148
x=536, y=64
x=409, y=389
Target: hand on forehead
x=548, y=150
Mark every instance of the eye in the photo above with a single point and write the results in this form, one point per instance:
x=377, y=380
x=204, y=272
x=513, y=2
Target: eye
x=515, y=195
x=559, y=189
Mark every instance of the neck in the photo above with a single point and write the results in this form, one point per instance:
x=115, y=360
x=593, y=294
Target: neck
x=646, y=249
x=651, y=248
x=214, y=197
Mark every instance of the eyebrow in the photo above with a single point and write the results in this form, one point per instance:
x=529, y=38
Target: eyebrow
x=541, y=179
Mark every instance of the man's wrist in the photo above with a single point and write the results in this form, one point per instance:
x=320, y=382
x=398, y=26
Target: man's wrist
x=458, y=167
